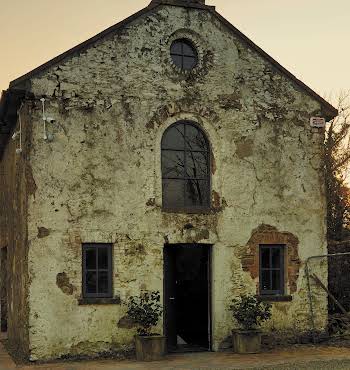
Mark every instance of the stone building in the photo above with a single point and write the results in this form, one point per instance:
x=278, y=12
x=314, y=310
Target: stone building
x=167, y=153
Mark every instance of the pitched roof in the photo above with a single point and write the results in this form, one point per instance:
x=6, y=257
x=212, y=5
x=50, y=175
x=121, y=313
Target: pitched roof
x=329, y=111
x=83, y=46
x=7, y=120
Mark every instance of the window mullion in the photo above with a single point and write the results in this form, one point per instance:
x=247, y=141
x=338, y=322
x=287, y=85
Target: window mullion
x=282, y=270
x=182, y=56
x=270, y=265
x=110, y=269
x=260, y=268
x=97, y=291
x=185, y=166
x=84, y=272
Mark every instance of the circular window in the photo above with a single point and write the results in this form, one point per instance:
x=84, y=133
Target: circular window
x=184, y=54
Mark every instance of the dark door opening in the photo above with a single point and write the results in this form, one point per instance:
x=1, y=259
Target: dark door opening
x=187, y=297
x=3, y=289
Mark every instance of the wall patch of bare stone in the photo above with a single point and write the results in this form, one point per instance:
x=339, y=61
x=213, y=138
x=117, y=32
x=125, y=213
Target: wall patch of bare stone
x=63, y=283
x=43, y=232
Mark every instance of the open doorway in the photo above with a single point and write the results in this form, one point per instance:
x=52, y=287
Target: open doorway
x=3, y=289
x=187, y=305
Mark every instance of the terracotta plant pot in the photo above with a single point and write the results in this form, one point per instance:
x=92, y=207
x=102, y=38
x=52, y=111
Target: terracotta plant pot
x=151, y=348
x=246, y=341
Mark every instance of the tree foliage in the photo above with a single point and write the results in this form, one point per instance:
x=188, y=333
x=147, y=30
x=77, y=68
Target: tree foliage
x=337, y=162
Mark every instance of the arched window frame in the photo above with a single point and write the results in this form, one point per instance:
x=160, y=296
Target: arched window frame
x=184, y=54
x=206, y=195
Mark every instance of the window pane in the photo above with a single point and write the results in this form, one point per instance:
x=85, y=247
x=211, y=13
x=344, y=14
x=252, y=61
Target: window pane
x=177, y=59
x=265, y=257
x=276, y=257
x=174, y=138
x=190, y=160
x=103, y=282
x=103, y=258
x=197, y=164
x=189, y=62
x=196, y=193
x=276, y=280
x=91, y=282
x=183, y=54
x=91, y=258
x=195, y=139
x=176, y=47
x=173, y=193
x=188, y=50
x=265, y=280
x=173, y=164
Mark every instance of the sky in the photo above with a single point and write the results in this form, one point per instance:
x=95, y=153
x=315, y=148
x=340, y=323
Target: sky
x=308, y=37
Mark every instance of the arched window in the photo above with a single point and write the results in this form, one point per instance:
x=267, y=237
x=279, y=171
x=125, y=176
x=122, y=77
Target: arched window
x=185, y=167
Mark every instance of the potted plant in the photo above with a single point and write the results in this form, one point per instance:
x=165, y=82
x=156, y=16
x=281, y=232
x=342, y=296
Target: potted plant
x=145, y=311
x=249, y=313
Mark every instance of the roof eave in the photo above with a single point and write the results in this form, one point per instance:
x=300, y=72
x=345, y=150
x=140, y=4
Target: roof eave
x=182, y=4
x=328, y=110
x=82, y=46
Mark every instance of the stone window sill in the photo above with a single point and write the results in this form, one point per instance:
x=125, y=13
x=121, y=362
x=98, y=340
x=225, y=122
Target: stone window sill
x=204, y=211
x=98, y=301
x=275, y=298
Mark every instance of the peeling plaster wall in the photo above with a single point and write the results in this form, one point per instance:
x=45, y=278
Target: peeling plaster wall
x=16, y=185
x=100, y=179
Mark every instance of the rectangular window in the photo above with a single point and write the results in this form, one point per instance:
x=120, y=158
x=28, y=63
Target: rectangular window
x=97, y=271
x=272, y=269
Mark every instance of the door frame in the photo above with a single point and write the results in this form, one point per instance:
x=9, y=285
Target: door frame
x=4, y=307
x=210, y=292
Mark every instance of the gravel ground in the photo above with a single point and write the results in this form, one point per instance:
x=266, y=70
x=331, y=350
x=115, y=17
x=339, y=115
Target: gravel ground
x=292, y=358
x=314, y=365
x=317, y=365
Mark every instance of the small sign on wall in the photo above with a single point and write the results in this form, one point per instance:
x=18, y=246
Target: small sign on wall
x=318, y=122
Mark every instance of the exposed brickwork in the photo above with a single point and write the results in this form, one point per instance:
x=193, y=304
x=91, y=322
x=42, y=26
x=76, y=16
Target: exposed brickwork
x=266, y=234
x=63, y=283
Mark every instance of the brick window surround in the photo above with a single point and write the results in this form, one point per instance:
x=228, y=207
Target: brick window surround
x=269, y=235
